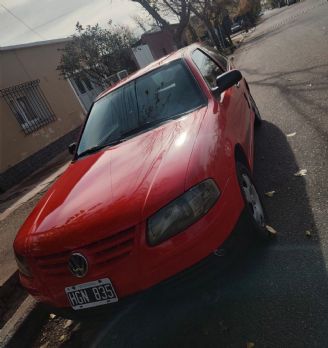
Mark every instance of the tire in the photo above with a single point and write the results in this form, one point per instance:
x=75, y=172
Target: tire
x=258, y=118
x=253, y=203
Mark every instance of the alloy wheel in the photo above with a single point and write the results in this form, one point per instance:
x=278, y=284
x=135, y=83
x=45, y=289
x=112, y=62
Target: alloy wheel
x=253, y=200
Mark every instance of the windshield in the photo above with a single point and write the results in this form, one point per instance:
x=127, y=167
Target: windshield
x=163, y=94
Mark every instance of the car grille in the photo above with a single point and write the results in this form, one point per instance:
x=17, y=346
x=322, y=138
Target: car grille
x=102, y=253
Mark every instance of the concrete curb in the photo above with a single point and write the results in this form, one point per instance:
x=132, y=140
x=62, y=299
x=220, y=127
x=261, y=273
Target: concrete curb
x=21, y=329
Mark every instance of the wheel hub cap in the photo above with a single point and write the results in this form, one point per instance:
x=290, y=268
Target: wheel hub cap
x=253, y=200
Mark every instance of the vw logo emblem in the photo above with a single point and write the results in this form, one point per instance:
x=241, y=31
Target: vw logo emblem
x=78, y=265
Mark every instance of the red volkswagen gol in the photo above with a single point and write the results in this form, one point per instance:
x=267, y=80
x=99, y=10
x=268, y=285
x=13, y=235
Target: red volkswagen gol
x=160, y=177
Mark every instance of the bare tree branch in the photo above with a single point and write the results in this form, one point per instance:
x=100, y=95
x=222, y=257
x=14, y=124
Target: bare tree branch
x=177, y=8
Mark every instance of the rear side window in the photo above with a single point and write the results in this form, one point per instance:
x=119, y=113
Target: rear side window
x=207, y=67
x=222, y=60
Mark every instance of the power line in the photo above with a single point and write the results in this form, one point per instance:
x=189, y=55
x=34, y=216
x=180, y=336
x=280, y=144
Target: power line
x=20, y=20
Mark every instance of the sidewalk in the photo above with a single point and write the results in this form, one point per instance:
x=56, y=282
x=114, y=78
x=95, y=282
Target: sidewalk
x=17, y=203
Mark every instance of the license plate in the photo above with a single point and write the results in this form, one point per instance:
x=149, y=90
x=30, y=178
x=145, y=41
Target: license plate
x=91, y=294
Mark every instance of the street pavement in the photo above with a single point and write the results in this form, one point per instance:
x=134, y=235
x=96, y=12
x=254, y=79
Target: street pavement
x=276, y=294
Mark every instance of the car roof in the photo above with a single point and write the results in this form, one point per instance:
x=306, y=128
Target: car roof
x=152, y=66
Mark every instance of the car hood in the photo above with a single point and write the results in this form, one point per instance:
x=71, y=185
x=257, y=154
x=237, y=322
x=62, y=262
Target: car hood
x=115, y=188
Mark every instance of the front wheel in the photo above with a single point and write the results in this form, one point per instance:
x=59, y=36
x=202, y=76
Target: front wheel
x=253, y=204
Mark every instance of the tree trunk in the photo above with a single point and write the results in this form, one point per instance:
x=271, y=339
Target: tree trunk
x=213, y=34
x=146, y=5
x=193, y=33
x=179, y=32
x=204, y=17
x=178, y=38
x=230, y=41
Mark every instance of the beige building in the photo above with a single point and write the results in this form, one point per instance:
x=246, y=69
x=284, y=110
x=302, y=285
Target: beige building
x=40, y=113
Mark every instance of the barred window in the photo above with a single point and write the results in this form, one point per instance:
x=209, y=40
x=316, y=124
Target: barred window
x=29, y=105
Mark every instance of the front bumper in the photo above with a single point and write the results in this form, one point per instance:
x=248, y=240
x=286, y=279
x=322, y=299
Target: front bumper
x=216, y=262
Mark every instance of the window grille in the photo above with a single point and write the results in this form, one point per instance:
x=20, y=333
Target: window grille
x=29, y=105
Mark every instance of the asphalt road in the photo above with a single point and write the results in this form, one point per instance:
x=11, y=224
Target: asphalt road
x=273, y=295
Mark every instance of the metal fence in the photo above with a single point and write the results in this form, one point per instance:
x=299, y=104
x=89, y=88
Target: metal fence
x=29, y=105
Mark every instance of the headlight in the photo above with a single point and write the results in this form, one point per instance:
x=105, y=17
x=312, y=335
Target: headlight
x=22, y=265
x=182, y=212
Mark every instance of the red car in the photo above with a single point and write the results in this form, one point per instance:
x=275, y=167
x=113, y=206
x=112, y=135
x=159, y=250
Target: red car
x=159, y=180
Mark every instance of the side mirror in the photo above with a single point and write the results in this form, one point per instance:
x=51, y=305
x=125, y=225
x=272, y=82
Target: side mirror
x=227, y=80
x=72, y=148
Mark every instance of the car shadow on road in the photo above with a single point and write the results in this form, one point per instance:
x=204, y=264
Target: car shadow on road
x=270, y=294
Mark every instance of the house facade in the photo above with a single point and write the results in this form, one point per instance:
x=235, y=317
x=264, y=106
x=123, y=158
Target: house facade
x=159, y=42
x=152, y=46
x=40, y=113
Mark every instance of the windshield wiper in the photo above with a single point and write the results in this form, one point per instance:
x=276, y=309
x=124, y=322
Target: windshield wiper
x=123, y=137
x=96, y=148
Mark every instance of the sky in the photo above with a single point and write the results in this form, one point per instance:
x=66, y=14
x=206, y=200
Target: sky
x=23, y=21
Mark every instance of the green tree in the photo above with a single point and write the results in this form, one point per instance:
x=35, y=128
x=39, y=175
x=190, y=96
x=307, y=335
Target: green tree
x=97, y=53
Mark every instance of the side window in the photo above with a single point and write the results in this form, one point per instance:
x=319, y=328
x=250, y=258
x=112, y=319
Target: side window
x=221, y=59
x=207, y=67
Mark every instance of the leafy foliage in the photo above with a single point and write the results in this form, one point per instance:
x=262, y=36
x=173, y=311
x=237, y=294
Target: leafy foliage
x=97, y=53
